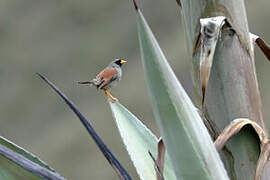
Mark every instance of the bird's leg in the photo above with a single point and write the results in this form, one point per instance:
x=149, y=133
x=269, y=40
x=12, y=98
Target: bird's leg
x=110, y=95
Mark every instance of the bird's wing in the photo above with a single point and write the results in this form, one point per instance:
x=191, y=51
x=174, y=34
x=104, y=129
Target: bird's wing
x=106, y=76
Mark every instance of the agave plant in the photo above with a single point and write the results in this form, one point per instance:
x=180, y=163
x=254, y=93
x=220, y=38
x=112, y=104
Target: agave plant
x=223, y=137
x=228, y=105
x=221, y=46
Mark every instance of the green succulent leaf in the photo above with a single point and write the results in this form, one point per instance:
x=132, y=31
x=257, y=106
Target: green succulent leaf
x=138, y=140
x=189, y=145
x=17, y=163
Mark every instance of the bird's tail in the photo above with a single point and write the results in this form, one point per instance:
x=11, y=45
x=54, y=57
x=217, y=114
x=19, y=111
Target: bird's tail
x=86, y=82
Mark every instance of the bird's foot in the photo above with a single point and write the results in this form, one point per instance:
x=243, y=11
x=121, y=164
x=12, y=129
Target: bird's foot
x=111, y=98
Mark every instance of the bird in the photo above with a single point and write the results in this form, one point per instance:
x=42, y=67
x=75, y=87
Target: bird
x=108, y=77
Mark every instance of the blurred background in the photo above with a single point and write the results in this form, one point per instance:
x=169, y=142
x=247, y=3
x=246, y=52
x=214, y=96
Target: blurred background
x=73, y=40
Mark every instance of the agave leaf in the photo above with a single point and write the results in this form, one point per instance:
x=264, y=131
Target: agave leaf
x=17, y=163
x=5, y=142
x=138, y=140
x=189, y=145
x=116, y=165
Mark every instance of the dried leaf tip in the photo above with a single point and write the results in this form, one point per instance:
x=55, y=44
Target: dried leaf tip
x=261, y=43
x=236, y=126
x=41, y=76
x=135, y=5
x=264, y=47
x=161, y=158
x=179, y=3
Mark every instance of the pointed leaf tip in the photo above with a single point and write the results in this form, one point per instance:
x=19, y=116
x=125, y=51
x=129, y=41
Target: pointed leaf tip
x=135, y=5
x=161, y=157
x=264, y=47
x=41, y=76
x=261, y=43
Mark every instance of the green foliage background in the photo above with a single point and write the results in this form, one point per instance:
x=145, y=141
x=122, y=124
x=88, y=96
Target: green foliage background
x=73, y=40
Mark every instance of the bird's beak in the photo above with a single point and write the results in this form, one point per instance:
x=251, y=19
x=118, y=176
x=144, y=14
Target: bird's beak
x=123, y=61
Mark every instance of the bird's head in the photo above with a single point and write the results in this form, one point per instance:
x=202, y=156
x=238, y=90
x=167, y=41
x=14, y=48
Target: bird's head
x=120, y=61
